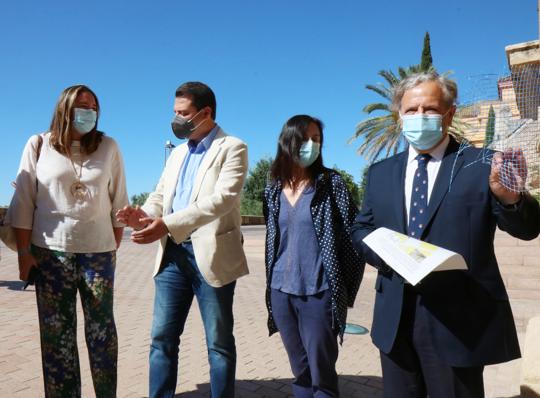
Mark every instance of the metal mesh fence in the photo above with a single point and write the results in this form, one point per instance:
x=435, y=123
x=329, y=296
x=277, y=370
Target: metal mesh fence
x=500, y=113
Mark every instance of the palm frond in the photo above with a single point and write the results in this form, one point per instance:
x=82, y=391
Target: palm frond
x=402, y=71
x=388, y=142
x=381, y=90
x=380, y=135
x=447, y=73
x=379, y=106
x=374, y=121
x=389, y=76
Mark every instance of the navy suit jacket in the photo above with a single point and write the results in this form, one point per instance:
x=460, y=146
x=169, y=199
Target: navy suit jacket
x=467, y=312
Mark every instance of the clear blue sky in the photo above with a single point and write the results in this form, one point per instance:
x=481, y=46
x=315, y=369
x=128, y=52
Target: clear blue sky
x=265, y=60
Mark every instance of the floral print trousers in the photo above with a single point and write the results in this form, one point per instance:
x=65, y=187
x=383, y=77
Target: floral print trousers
x=60, y=275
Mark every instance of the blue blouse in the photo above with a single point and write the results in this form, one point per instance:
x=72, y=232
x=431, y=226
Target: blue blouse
x=298, y=269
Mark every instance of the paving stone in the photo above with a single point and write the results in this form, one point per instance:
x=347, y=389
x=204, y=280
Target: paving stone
x=263, y=369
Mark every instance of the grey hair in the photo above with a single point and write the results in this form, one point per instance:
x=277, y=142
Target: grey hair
x=448, y=87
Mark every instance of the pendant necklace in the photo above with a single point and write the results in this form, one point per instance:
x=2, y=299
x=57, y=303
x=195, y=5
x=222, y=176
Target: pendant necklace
x=78, y=189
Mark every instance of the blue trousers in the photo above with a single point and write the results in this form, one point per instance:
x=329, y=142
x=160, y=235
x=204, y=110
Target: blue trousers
x=176, y=284
x=305, y=326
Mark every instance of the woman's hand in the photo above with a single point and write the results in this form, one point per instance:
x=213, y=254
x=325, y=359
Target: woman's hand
x=26, y=259
x=26, y=263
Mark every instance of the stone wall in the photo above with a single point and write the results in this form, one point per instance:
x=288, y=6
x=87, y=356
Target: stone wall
x=252, y=220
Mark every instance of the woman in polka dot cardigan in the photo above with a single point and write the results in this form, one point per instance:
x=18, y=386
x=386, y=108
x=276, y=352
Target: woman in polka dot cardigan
x=313, y=272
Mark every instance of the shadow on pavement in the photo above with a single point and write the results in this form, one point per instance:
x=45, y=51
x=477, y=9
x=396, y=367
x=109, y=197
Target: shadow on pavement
x=15, y=285
x=357, y=386
x=526, y=392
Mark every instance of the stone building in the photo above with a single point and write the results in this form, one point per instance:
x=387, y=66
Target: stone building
x=515, y=121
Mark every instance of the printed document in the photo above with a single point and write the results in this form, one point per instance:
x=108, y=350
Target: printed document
x=410, y=257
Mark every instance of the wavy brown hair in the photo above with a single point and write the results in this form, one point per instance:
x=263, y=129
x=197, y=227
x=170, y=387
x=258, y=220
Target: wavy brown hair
x=62, y=123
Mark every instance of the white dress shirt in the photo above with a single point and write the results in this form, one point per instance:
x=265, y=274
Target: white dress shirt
x=432, y=169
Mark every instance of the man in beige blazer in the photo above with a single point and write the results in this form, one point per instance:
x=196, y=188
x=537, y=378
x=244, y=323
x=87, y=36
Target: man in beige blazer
x=195, y=213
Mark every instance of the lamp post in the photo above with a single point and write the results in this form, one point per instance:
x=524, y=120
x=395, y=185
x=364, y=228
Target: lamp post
x=168, y=148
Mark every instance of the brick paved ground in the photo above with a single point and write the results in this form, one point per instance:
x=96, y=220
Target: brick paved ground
x=263, y=369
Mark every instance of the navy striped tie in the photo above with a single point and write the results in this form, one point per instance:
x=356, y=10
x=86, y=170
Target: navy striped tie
x=419, y=197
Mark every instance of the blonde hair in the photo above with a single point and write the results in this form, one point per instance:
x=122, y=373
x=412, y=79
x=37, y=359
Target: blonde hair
x=62, y=123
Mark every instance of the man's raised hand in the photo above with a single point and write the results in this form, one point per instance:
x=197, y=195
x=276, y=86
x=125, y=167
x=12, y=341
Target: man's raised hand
x=134, y=217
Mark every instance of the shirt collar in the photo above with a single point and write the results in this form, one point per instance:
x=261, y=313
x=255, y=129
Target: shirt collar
x=436, y=154
x=205, y=143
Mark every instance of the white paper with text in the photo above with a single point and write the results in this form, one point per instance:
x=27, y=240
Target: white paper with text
x=410, y=257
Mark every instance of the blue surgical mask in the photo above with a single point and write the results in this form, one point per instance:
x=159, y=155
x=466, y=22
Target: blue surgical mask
x=421, y=130
x=84, y=120
x=309, y=152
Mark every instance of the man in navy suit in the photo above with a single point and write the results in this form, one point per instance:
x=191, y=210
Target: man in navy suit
x=436, y=337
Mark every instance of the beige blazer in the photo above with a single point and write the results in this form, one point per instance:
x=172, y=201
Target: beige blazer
x=212, y=218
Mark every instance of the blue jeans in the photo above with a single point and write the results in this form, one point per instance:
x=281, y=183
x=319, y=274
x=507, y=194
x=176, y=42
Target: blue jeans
x=176, y=284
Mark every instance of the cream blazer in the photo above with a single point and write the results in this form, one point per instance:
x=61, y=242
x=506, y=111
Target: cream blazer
x=212, y=218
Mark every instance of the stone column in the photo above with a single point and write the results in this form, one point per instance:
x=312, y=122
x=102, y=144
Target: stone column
x=524, y=63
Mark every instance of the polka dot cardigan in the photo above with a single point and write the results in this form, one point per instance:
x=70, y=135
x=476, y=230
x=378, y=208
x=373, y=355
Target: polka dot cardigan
x=333, y=213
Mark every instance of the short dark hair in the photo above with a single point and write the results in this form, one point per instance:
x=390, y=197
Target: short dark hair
x=201, y=95
x=288, y=150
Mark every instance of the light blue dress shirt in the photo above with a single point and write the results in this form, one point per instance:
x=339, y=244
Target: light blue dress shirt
x=188, y=171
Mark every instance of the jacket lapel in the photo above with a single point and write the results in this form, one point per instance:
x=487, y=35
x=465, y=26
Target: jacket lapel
x=450, y=166
x=397, y=189
x=214, y=149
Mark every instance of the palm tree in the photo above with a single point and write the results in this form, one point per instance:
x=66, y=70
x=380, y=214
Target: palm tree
x=381, y=134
